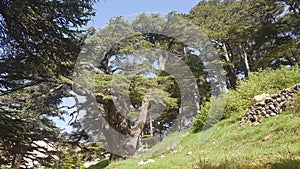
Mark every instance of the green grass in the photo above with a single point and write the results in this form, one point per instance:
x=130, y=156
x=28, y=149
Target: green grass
x=102, y=164
x=230, y=147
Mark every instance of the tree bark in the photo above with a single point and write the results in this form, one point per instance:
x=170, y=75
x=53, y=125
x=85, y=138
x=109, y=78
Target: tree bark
x=245, y=60
x=230, y=68
x=162, y=60
x=17, y=161
x=150, y=125
x=123, y=140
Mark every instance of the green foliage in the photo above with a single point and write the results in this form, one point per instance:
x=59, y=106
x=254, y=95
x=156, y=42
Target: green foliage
x=250, y=35
x=210, y=114
x=40, y=41
x=200, y=120
x=102, y=164
x=139, y=59
x=69, y=159
x=145, y=136
x=25, y=121
x=266, y=81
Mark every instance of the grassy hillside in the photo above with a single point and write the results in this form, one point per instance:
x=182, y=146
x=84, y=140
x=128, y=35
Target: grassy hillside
x=273, y=144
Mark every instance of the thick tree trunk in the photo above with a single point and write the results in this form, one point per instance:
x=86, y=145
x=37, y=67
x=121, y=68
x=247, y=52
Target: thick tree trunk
x=121, y=138
x=121, y=146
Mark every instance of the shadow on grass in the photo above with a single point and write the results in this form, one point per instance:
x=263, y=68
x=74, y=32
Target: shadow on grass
x=228, y=164
x=285, y=164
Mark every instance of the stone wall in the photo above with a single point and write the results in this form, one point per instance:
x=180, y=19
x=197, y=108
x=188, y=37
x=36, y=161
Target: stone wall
x=267, y=105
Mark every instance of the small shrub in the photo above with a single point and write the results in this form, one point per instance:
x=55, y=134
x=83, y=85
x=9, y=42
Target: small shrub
x=211, y=113
x=69, y=159
x=102, y=164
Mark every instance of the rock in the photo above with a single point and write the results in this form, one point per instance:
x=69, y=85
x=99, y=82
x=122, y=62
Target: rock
x=162, y=156
x=255, y=123
x=277, y=104
x=267, y=105
x=90, y=163
x=297, y=87
x=260, y=98
x=269, y=112
x=283, y=92
x=268, y=100
x=272, y=107
x=145, y=162
x=278, y=109
x=141, y=163
x=243, y=121
x=250, y=113
x=286, y=91
x=282, y=103
x=268, y=137
x=150, y=161
x=274, y=96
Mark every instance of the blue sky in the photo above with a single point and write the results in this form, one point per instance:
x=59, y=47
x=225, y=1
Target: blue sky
x=106, y=9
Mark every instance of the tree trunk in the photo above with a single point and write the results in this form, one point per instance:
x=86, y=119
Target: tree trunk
x=123, y=141
x=162, y=60
x=245, y=60
x=229, y=67
x=16, y=164
x=121, y=146
x=151, y=126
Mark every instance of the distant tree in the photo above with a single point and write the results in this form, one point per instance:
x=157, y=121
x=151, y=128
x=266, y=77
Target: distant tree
x=277, y=39
x=216, y=18
x=250, y=35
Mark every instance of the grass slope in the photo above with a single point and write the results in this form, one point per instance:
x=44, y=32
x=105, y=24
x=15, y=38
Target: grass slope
x=274, y=144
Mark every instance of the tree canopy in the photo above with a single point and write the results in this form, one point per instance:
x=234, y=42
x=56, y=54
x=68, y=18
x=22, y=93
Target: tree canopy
x=40, y=41
x=250, y=34
x=143, y=73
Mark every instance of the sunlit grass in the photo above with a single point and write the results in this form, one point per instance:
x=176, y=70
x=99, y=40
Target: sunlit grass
x=273, y=144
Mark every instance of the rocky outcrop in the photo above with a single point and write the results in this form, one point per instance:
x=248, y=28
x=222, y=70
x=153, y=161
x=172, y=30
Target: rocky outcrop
x=267, y=105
